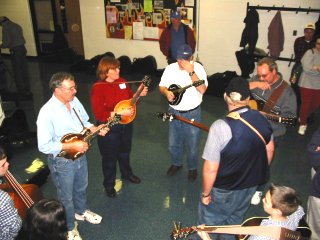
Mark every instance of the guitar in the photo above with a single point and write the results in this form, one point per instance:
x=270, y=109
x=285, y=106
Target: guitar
x=86, y=136
x=249, y=227
x=256, y=105
x=124, y=104
x=170, y=117
x=23, y=195
x=178, y=91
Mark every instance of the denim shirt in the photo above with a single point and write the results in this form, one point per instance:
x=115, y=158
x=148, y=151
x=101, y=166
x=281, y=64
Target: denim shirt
x=55, y=120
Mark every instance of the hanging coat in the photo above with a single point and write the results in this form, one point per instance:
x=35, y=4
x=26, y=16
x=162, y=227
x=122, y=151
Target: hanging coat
x=276, y=36
x=250, y=32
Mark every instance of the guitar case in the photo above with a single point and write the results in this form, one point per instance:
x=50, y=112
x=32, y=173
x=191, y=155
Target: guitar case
x=125, y=65
x=145, y=66
x=218, y=82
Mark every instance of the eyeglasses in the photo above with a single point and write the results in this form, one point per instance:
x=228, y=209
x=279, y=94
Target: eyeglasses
x=317, y=43
x=264, y=75
x=70, y=88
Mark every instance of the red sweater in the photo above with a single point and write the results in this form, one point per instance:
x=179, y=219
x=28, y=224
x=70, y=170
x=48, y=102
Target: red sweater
x=105, y=96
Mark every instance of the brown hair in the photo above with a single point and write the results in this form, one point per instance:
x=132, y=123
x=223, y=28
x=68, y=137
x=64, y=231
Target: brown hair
x=270, y=62
x=105, y=64
x=284, y=198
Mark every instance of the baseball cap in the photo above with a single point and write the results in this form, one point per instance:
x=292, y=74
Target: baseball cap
x=310, y=26
x=238, y=89
x=175, y=15
x=184, y=52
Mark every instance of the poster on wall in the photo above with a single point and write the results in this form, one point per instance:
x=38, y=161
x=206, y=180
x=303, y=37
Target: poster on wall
x=145, y=19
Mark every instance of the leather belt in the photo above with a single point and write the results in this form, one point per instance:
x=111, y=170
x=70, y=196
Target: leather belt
x=188, y=110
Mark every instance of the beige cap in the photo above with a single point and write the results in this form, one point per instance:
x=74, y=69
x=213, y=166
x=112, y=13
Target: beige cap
x=310, y=26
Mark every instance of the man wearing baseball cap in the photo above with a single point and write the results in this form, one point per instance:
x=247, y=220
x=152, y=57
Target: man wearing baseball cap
x=237, y=155
x=184, y=137
x=176, y=34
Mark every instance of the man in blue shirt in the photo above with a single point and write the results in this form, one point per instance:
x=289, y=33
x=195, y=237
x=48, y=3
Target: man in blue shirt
x=64, y=114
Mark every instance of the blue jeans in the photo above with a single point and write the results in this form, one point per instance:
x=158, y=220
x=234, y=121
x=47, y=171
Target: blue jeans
x=184, y=135
x=71, y=181
x=228, y=207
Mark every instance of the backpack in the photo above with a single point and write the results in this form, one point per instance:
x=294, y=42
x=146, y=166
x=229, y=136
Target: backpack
x=218, y=82
x=145, y=66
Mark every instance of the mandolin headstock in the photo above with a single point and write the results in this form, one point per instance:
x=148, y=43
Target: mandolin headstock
x=179, y=232
x=165, y=116
x=146, y=80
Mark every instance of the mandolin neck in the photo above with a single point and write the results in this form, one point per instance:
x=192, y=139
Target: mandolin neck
x=136, y=96
x=194, y=123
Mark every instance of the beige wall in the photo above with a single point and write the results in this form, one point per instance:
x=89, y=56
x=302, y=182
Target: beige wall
x=221, y=26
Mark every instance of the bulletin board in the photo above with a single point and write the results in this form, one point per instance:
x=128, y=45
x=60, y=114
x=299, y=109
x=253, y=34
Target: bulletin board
x=145, y=19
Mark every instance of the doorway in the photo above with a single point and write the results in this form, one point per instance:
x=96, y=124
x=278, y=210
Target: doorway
x=57, y=26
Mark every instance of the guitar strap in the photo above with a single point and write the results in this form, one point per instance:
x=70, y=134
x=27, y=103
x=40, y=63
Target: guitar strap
x=78, y=118
x=236, y=115
x=271, y=102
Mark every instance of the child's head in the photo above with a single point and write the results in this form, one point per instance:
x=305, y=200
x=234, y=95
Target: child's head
x=281, y=200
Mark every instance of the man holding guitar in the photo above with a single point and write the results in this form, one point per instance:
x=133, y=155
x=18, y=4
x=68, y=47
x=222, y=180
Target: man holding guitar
x=61, y=115
x=276, y=96
x=10, y=222
x=183, y=73
x=237, y=155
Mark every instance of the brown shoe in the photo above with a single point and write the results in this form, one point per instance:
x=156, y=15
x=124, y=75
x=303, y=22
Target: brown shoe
x=173, y=169
x=134, y=179
x=192, y=175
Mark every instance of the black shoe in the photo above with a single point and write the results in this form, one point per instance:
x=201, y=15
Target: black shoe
x=133, y=179
x=111, y=192
x=173, y=169
x=192, y=175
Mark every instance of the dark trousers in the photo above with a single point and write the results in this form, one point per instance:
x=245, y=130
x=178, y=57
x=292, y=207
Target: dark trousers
x=20, y=69
x=116, y=147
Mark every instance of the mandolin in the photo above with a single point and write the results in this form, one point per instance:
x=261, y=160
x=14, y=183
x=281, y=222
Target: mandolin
x=256, y=105
x=170, y=117
x=124, y=104
x=23, y=196
x=249, y=227
x=86, y=136
x=178, y=91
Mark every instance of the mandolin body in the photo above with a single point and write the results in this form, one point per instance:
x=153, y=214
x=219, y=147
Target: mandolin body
x=124, y=104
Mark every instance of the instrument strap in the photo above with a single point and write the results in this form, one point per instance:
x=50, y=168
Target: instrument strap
x=78, y=118
x=236, y=115
x=271, y=102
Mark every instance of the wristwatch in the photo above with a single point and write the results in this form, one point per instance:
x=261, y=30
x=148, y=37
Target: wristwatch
x=205, y=196
x=191, y=73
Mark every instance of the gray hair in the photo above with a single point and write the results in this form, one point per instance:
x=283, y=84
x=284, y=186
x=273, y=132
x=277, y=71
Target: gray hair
x=57, y=79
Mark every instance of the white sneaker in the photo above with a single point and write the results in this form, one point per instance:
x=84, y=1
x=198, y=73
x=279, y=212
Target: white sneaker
x=302, y=129
x=74, y=234
x=256, y=198
x=89, y=216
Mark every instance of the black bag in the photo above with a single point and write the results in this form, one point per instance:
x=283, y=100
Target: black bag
x=125, y=65
x=145, y=66
x=218, y=82
x=93, y=62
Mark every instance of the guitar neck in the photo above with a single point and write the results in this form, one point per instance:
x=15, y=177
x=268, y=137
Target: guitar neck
x=273, y=232
x=194, y=123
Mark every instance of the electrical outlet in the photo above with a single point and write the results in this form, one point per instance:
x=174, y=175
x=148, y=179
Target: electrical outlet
x=294, y=33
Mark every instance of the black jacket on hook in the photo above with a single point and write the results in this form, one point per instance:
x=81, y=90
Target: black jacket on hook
x=250, y=32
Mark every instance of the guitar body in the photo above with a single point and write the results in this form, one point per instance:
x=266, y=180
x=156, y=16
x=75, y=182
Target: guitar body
x=31, y=189
x=73, y=137
x=177, y=94
x=124, y=104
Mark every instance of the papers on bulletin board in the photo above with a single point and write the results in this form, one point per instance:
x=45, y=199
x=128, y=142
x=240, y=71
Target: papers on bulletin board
x=111, y=12
x=189, y=3
x=137, y=28
x=151, y=33
x=147, y=5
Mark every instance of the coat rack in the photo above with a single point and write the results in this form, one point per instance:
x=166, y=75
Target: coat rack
x=283, y=8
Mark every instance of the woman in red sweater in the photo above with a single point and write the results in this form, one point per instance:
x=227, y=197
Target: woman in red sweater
x=116, y=145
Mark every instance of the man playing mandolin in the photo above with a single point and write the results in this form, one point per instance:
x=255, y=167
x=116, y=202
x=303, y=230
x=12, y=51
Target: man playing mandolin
x=180, y=74
x=61, y=115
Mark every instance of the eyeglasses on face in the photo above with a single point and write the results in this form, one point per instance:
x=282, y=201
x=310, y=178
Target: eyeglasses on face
x=70, y=88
